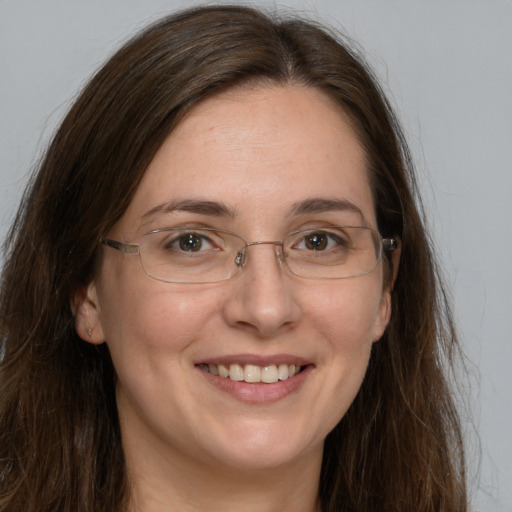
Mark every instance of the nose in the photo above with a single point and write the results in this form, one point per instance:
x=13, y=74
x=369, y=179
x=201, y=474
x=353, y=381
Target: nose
x=264, y=298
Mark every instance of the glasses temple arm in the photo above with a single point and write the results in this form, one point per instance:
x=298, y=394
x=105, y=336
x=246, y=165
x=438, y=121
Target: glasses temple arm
x=124, y=248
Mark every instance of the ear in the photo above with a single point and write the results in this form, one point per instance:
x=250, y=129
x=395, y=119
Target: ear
x=384, y=312
x=383, y=315
x=86, y=310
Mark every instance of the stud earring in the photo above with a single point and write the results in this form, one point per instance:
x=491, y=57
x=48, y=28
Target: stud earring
x=89, y=332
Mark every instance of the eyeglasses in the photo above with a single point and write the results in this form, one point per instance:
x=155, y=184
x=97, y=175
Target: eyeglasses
x=208, y=255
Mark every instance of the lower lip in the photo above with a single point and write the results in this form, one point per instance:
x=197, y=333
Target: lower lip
x=259, y=393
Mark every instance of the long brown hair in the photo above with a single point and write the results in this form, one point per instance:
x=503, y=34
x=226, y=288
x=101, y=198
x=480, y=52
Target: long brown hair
x=399, y=446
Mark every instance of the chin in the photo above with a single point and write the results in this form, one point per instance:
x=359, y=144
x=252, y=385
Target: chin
x=263, y=446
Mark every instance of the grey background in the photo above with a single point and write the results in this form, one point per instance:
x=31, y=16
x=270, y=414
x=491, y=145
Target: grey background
x=448, y=68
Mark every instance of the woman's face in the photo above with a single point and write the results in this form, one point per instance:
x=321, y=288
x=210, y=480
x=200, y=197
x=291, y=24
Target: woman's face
x=261, y=163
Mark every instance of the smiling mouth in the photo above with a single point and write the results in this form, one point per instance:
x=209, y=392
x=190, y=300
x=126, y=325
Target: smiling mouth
x=253, y=374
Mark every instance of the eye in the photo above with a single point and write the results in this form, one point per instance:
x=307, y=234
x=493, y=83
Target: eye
x=319, y=241
x=190, y=242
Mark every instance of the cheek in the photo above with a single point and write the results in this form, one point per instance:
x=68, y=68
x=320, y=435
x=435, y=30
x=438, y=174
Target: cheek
x=347, y=313
x=342, y=317
x=142, y=317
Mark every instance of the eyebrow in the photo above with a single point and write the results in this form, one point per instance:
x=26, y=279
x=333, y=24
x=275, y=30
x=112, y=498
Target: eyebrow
x=322, y=205
x=198, y=206
x=219, y=209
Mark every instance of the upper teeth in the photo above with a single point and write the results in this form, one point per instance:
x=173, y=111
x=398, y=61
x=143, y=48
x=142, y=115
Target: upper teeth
x=253, y=373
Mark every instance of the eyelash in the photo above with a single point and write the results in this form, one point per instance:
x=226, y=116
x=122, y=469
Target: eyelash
x=193, y=241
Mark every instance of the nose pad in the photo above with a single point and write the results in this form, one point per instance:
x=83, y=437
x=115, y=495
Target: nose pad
x=280, y=254
x=240, y=258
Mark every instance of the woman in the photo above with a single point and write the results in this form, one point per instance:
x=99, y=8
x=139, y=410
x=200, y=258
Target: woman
x=218, y=291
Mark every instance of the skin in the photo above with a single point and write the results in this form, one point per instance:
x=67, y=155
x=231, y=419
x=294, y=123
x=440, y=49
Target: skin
x=258, y=152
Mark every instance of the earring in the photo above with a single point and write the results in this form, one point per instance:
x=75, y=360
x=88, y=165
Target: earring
x=89, y=332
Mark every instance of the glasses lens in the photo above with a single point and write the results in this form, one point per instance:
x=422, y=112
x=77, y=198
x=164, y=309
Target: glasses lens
x=184, y=255
x=332, y=252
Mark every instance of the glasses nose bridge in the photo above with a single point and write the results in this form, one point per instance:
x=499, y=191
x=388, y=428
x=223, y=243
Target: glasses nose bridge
x=241, y=258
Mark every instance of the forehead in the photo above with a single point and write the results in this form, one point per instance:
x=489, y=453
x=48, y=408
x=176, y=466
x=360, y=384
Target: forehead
x=259, y=152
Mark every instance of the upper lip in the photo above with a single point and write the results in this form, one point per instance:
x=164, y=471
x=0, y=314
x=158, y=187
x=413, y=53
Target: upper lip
x=256, y=359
